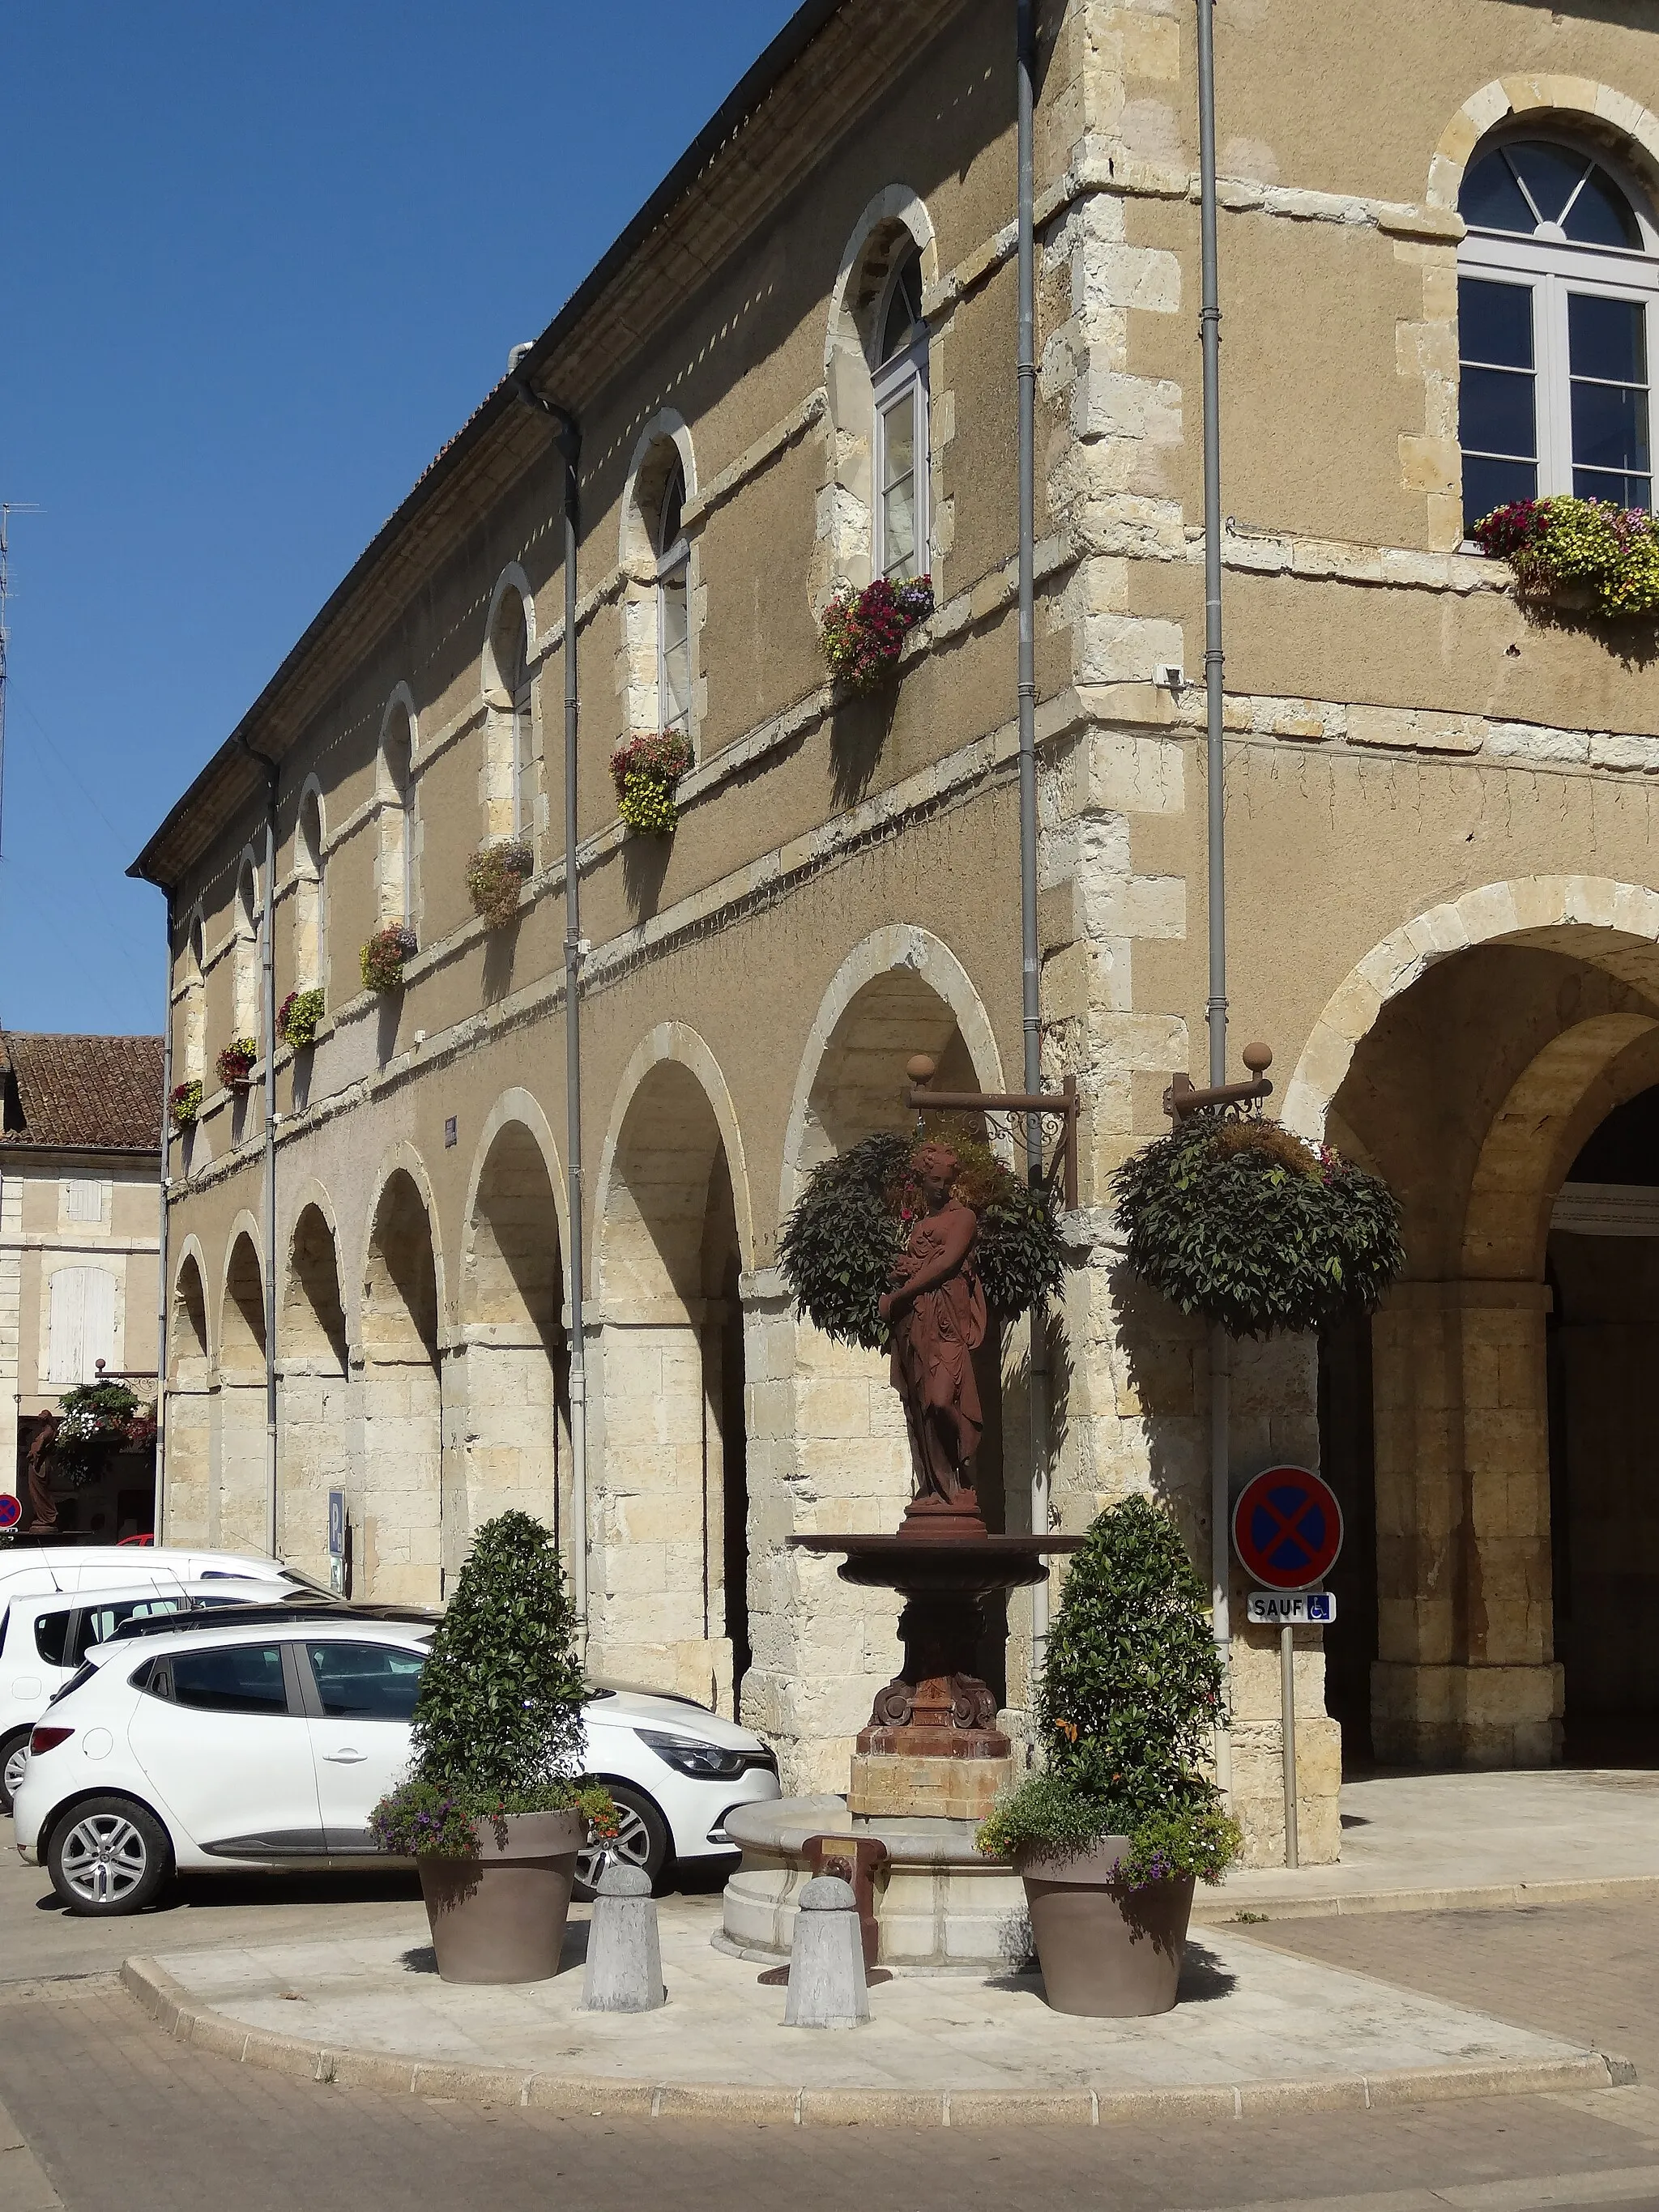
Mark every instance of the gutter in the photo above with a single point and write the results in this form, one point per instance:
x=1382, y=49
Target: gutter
x=268, y=978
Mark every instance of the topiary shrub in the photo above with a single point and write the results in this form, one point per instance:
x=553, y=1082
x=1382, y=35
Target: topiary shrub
x=495, y=876
x=1131, y=1690
x=498, y=1724
x=1241, y=1221
x=853, y=1219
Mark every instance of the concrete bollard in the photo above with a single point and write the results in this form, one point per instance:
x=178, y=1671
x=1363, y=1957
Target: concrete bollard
x=625, y=1956
x=827, y=1988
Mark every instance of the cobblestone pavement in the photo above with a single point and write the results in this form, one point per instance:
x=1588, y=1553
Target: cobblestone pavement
x=110, y=2116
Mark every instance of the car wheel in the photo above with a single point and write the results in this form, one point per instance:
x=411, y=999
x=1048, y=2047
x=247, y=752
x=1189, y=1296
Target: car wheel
x=14, y=1758
x=109, y=1857
x=641, y=1840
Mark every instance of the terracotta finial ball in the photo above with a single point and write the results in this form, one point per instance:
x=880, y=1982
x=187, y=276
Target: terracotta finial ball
x=921, y=1068
x=1258, y=1057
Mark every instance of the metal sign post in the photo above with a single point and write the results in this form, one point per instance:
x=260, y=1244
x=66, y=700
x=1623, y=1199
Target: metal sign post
x=1287, y=1530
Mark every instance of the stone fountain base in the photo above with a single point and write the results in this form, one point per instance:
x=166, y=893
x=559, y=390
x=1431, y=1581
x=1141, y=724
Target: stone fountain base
x=940, y=1907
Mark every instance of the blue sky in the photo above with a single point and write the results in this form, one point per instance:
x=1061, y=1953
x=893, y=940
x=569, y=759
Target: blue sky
x=259, y=262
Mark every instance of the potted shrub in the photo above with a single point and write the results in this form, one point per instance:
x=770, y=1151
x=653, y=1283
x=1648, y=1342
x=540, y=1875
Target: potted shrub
x=1110, y=1835
x=495, y=876
x=234, y=1064
x=494, y=1810
x=863, y=633
x=1235, y=1217
x=382, y=958
x=646, y=771
x=96, y=1420
x=1583, y=553
x=185, y=1103
x=297, y=1018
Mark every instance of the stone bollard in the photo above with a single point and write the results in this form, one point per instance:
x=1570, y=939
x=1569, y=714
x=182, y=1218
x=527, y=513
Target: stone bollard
x=625, y=1957
x=827, y=1988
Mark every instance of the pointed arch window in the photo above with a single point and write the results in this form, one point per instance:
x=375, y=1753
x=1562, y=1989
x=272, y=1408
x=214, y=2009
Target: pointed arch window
x=900, y=444
x=1557, y=281
x=673, y=609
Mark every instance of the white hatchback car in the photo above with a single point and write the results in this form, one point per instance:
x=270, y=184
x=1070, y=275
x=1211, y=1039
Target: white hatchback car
x=264, y=1742
x=45, y=1634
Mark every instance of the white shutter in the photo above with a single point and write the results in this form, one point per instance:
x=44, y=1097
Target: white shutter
x=83, y=1201
x=82, y=1325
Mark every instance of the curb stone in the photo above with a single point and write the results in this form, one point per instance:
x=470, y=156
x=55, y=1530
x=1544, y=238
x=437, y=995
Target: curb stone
x=577, y=2096
x=1220, y=1910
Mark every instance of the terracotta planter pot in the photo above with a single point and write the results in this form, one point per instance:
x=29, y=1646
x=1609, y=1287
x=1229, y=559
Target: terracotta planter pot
x=1108, y=1951
x=501, y=1917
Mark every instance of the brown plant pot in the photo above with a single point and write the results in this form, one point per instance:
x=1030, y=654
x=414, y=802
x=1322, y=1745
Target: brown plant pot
x=501, y=1917
x=1107, y=1952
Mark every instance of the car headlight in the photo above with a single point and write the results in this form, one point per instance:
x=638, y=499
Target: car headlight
x=703, y=1762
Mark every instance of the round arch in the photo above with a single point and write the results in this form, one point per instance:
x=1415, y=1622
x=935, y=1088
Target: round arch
x=190, y=1255
x=404, y=1158
x=666, y=428
x=676, y=1041
x=1598, y=109
x=521, y=1106
x=401, y=702
x=512, y=578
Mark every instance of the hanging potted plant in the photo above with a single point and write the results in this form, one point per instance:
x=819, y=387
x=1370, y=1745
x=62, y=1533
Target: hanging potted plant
x=1235, y=1217
x=1581, y=553
x=493, y=1811
x=863, y=633
x=646, y=771
x=185, y=1103
x=381, y=960
x=95, y=1421
x=297, y=1018
x=495, y=876
x=838, y=1246
x=234, y=1064
x=1110, y=1835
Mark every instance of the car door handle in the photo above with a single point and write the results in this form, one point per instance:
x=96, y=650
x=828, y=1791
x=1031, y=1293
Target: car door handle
x=346, y=1757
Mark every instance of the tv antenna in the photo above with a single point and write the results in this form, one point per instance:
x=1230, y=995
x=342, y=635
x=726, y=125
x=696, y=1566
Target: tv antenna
x=8, y=508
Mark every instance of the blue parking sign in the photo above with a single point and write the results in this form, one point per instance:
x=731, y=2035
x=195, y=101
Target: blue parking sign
x=336, y=1524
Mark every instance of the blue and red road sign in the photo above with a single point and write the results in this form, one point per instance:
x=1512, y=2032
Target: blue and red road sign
x=1287, y=1527
x=11, y=1510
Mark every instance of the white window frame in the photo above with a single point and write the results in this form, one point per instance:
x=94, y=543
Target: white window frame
x=1552, y=269
x=673, y=571
x=892, y=381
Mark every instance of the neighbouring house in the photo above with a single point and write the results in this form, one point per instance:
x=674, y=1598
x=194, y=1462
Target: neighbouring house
x=79, y=1210
x=794, y=373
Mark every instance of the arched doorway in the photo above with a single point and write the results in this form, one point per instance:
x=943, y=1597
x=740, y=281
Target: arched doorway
x=668, y=1590
x=241, y=1522
x=396, y=1510
x=188, y=1468
x=319, y=1424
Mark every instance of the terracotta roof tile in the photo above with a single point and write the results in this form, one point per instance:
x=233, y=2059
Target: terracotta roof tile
x=96, y=1093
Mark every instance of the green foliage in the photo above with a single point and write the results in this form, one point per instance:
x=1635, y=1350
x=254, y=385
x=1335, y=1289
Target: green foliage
x=420, y=1818
x=1558, y=543
x=297, y=1018
x=495, y=876
x=235, y=1063
x=863, y=633
x=646, y=771
x=838, y=1246
x=96, y=1420
x=185, y=1103
x=1242, y=1222
x=1131, y=1691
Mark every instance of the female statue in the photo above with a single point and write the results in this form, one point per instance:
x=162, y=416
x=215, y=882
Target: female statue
x=936, y=1311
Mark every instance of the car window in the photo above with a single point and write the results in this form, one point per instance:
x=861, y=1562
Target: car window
x=51, y=1634
x=240, y=1678
x=98, y=1623
x=366, y=1682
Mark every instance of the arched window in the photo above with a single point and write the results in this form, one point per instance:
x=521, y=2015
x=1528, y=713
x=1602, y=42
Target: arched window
x=899, y=444
x=309, y=919
x=673, y=609
x=191, y=1032
x=244, y=955
x=1557, y=280
x=395, y=889
x=510, y=809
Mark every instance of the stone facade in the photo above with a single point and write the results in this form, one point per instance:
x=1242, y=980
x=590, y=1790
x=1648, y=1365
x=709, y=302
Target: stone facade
x=1439, y=822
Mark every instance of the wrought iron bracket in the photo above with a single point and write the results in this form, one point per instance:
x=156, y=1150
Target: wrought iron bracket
x=1183, y=1097
x=1063, y=1105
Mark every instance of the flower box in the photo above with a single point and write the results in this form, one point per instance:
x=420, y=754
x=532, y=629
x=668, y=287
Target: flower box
x=298, y=1017
x=864, y=632
x=234, y=1066
x=381, y=960
x=185, y=1103
x=495, y=876
x=646, y=771
x=1585, y=556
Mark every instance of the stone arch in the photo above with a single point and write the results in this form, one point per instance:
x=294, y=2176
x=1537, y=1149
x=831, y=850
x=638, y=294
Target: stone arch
x=310, y=904
x=512, y=1323
x=396, y=1506
x=321, y=1425
x=507, y=777
x=310, y=1323
x=187, y=1503
x=674, y=1238
x=242, y=1517
x=1596, y=109
x=660, y=595
x=895, y=221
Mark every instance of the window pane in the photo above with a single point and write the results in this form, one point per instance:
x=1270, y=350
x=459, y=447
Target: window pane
x=903, y=322
x=1607, y=339
x=50, y=1636
x=245, y=1678
x=1602, y=216
x=1622, y=490
x=1495, y=415
x=1494, y=322
x=1487, y=484
x=898, y=440
x=1549, y=173
x=1609, y=426
x=366, y=1682
x=1491, y=200
x=674, y=665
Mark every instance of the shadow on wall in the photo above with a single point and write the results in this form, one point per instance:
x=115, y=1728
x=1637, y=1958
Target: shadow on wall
x=859, y=729
x=500, y=947
x=645, y=864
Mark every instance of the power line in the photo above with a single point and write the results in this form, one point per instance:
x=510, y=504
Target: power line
x=8, y=508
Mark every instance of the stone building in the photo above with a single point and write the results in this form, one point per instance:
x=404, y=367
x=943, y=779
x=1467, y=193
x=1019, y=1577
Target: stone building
x=79, y=1206
x=794, y=371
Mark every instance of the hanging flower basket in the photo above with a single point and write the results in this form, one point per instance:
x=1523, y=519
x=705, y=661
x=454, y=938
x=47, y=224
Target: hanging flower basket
x=1577, y=552
x=495, y=876
x=382, y=958
x=235, y=1063
x=1238, y=1219
x=297, y=1018
x=185, y=1103
x=646, y=770
x=853, y=1219
x=864, y=632
x=96, y=1421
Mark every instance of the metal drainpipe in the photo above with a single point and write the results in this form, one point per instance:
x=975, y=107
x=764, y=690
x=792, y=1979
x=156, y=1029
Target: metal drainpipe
x=1216, y=1012
x=268, y=976
x=162, y=1299
x=567, y=437
x=1030, y=974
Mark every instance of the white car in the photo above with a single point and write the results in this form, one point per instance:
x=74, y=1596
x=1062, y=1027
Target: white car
x=26, y=1567
x=45, y=1634
x=264, y=1741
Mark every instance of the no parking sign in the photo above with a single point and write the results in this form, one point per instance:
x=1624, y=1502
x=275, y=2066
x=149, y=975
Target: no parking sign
x=1287, y=1527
